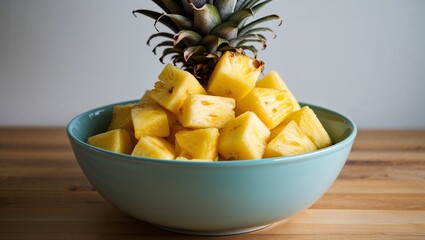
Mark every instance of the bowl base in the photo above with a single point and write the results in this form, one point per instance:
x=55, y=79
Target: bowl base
x=212, y=233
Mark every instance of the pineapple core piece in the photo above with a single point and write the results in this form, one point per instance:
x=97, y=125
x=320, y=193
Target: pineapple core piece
x=151, y=120
x=197, y=144
x=271, y=106
x=117, y=140
x=234, y=75
x=154, y=147
x=290, y=141
x=274, y=81
x=121, y=117
x=172, y=87
x=310, y=124
x=244, y=137
x=205, y=111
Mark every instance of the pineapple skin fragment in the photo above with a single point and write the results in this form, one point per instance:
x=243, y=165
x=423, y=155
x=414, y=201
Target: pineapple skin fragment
x=154, y=147
x=121, y=117
x=206, y=111
x=274, y=81
x=290, y=141
x=311, y=125
x=271, y=106
x=234, y=75
x=150, y=120
x=172, y=87
x=243, y=138
x=116, y=140
x=197, y=144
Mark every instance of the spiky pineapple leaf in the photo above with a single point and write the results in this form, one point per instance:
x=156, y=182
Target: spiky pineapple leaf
x=181, y=21
x=205, y=18
x=212, y=42
x=238, y=17
x=188, y=8
x=155, y=15
x=160, y=34
x=189, y=37
x=163, y=44
x=240, y=4
x=252, y=24
x=225, y=7
x=259, y=6
x=250, y=3
x=170, y=6
x=169, y=51
x=190, y=51
x=226, y=30
x=261, y=29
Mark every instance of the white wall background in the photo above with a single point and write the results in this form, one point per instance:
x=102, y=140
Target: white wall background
x=363, y=58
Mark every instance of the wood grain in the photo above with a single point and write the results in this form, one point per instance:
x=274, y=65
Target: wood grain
x=380, y=194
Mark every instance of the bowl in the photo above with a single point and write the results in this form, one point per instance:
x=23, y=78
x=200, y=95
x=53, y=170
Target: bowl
x=210, y=198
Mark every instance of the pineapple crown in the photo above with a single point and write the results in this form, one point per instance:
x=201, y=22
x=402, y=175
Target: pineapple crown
x=202, y=30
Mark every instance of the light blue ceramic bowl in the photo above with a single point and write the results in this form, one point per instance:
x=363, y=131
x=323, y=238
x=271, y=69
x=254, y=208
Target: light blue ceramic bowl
x=211, y=198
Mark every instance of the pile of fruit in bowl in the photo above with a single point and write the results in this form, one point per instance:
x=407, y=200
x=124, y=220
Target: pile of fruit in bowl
x=234, y=121
x=216, y=147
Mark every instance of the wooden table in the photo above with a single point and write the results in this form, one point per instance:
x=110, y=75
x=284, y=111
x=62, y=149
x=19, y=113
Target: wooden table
x=380, y=194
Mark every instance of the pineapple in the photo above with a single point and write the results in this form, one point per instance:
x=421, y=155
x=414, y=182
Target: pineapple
x=151, y=120
x=175, y=128
x=205, y=111
x=173, y=86
x=274, y=81
x=311, y=125
x=154, y=147
x=117, y=140
x=202, y=31
x=197, y=144
x=244, y=137
x=234, y=75
x=290, y=141
x=121, y=117
x=147, y=100
x=271, y=106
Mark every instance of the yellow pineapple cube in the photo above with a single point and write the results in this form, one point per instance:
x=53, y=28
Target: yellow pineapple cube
x=121, y=117
x=197, y=144
x=290, y=141
x=205, y=111
x=172, y=87
x=244, y=137
x=116, y=140
x=175, y=128
x=154, y=147
x=271, y=106
x=311, y=125
x=234, y=75
x=274, y=81
x=147, y=100
x=150, y=120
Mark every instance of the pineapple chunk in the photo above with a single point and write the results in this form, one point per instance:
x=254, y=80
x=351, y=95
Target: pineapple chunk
x=121, y=117
x=117, y=140
x=271, y=106
x=234, y=75
x=290, y=141
x=173, y=86
x=147, y=100
x=150, y=120
x=274, y=81
x=175, y=128
x=154, y=147
x=205, y=111
x=243, y=138
x=197, y=144
x=311, y=125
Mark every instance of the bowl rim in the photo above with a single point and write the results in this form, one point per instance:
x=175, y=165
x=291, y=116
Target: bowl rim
x=264, y=161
